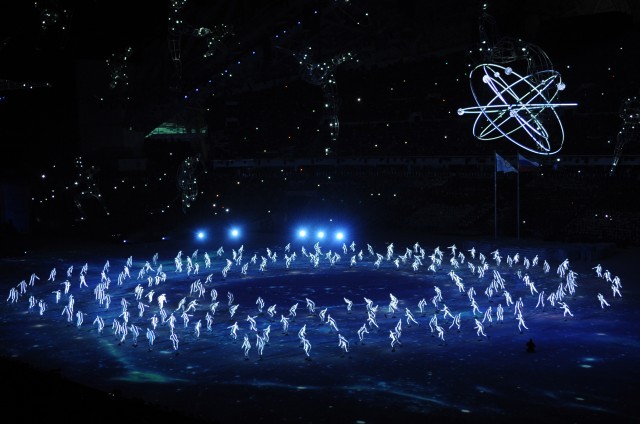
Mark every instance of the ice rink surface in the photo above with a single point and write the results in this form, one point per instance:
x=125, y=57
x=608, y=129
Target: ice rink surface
x=584, y=368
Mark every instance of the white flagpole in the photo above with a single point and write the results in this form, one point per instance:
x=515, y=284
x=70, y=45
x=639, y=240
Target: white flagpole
x=518, y=196
x=495, y=195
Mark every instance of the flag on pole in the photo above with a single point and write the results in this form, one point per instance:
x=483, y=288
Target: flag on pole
x=525, y=164
x=503, y=166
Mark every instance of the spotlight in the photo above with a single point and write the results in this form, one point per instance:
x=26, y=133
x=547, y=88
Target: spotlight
x=234, y=233
x=302, y=233
x=339, y=235
x=321, y=234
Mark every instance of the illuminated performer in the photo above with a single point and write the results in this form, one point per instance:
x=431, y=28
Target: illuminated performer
x=43, y=306
x=252, y=322
x=185, y=319
x=616, y=290
x=271, y=311
x=361, y=332
x=343, y=343
x=196, y=329
x=154, y=321
x=209, y=319
x=598, y=269
x=447, y=312
x=100, y=323
x=393, y=305
x=265, y=333
x=475, y=308
x=306, y=345
x=151, y=337
x=135, y=333
x=371, y=320
x=32, y=302
x=602, y=300
x=233, y=330
x=565, y=309
x=410, y=318
x=521, y=323
x=311, y=306
x=540, y=300
x=285, y=324
x=487, y=316
x=332, y=324
x=508, y=299
x=440, y=331
x=421, y=306
x=232, y=310
x=260, y=342
x=175, y=341
x=322, y=315
x=394, y=340
x=349, y=304
x=181, y=304
x=80, y=318
x=302, y=333
x=67, y=310
x=14, y=295
x=500, y=313
x=398, y=330
x=480, y=328
x=246, y=345
x=456, y=321
x=292, y=310
x=260, y=304
x=192, y=305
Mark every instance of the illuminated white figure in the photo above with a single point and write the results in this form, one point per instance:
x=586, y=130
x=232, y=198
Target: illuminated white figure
x=311, y=306
x=349, y=304
x=307, y=347
x=602, y=300
x=410, y=318
x=394, y=340
x=343, y=343
x=421, y=305
x=260, y=304
x=252, y=322
x=260, y=342
x=565, y=309
x=151, y=337
x=332, y=324
x=175, y=341
x=516, y=107
x=271, y=310
x=361, y=332
x=233, y=330
x=480, y=328
x=246, y=345
x=285, y=324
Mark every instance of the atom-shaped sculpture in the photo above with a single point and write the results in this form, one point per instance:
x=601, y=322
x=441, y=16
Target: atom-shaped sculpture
x=520, y=108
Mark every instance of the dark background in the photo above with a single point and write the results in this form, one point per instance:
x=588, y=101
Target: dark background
x=241, y=94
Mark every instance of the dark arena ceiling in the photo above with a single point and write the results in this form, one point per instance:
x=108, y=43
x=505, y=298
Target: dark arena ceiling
x=69, y=67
